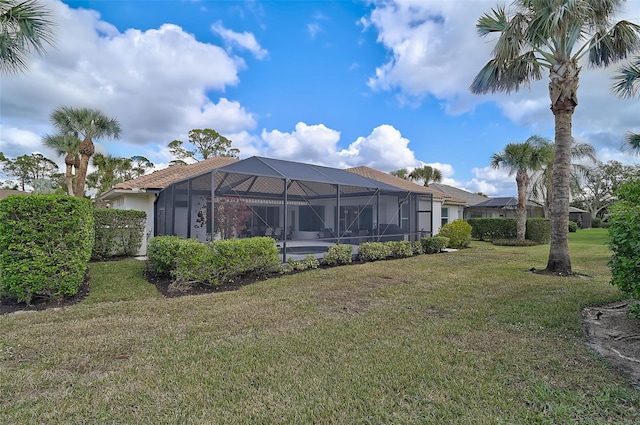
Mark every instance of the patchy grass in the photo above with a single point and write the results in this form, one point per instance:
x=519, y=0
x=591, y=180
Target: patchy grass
x=464, y=337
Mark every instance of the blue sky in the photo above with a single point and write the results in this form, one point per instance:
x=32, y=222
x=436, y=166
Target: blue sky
x=343, y=83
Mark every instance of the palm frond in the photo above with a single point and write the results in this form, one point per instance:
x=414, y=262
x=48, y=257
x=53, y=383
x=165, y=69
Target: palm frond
x=627, y=82
x=507, y=76
x=607, y=47
x=494, y=21
x=632, y=143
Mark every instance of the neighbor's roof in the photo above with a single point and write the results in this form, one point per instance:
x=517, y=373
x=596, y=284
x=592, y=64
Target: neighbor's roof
x=502, y=202
x=403, y=184
x=7, y=192
x=471, y=198
x=175, y=173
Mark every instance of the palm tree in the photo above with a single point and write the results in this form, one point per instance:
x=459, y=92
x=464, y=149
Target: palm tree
x=628, y=85
x=87, y=124
x=24, y=26
x=401, y=173
x=521, y=159
x=554, y=35
x=542, y=187
x=68, y=146
x=427, y=174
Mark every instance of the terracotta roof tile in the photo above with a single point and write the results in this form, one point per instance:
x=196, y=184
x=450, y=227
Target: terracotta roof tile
x=163, y=178
x=387, y=178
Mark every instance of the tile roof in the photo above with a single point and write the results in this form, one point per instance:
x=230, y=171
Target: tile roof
x=387, y=178
x=163, y=178
x=471, y=198
x=6, y=192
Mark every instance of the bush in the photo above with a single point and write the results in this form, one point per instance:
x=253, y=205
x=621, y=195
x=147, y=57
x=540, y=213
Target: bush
x=538, y=230
x=374, y=251
x=434, y=244
x=117, y=232
x=236, y=257
x=487, y=229
x=416, y=246
x=400, y=249
x=45, y=245
x=338, y=255
x=309, y=262
x=573, y=226
x=195, y=262
x=162, y=253
x=458, y=232
x=596, y=222
x=624, y=220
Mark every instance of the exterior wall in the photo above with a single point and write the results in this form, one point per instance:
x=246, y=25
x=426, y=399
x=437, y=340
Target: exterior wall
x=139, y=202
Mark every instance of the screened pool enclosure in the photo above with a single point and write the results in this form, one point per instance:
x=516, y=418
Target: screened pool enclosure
x=295, y=203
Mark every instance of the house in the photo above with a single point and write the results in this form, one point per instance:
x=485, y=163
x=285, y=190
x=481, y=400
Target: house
x=471, y=198
x=503, y=207
x=284, y=199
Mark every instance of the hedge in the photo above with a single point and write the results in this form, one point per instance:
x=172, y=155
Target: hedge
x=45, y=245
x=538, y=230
x=118, y=232
x=458, y=232
x=487, y=229
x=434, y=244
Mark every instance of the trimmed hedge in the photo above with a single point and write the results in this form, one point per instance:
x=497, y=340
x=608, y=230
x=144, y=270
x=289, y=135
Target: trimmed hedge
x=118, y=232
x=573, y=226
x=338, y=255
x=400, y=249
x=538, y=230
x=458, y=232
x=188, y=260
x=434, y=244
x=45, y=245
x=487, y=229
x=374, y=251
x=624, y=220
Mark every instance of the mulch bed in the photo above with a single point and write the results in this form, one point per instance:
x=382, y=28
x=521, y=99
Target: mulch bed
x=8, y=305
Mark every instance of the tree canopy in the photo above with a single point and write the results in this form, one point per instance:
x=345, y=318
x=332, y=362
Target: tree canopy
x=205, y=144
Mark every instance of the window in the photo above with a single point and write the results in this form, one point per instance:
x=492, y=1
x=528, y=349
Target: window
x=311, y=218
x=445, y=216
x=265, y=216
x=404, y=217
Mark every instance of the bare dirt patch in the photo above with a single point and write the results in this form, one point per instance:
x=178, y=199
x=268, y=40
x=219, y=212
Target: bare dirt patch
x=615, y=336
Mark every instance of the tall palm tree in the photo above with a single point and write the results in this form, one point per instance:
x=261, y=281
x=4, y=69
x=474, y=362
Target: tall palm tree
x=521, y=159
x=68, y=146
x=542, y=187
x=427, y=174
x=554, y=35
x=24, y=26
x=627, y=85
x=87, y=124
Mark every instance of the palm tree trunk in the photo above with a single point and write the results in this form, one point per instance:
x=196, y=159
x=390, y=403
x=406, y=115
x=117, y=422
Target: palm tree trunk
x=68, y=177
x=86, y=150
x=521, y=210
x=563, y=89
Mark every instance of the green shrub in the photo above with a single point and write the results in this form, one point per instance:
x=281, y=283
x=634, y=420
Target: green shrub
x=624, y=220
x=573, y=226
x=416, y=246
x=117, y=232
x=338, y=255
x=195, y=262
x=162, y=253
x=538, y=230
x=374, y=251
x=513, y=242
x=486, y=229
x=309, y=262
x=458, y=232
x=434, y=244
x=400, y=249
x=236, y=257
x=45, y=245
x=596, y=222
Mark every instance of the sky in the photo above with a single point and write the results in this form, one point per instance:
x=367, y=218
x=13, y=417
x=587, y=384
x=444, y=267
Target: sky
x=383, y=84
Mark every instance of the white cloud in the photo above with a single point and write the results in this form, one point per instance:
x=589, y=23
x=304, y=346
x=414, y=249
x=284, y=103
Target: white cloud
x=384, y=149
x=314, y=28
x=492, y=182
x=307, y=143
x=155, y=82
x=245, y=40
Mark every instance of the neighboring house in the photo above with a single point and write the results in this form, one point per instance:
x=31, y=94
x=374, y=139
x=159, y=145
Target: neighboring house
x=7, y=192
x=503, y=207
x=470, y=198
x=446, y=207
x=286, y=200
x=581, y=217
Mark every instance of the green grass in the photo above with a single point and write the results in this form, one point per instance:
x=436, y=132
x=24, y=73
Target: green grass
x=119, y=281
x=469, y=337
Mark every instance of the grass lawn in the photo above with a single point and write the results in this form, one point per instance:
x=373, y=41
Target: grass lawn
x=469, y=337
